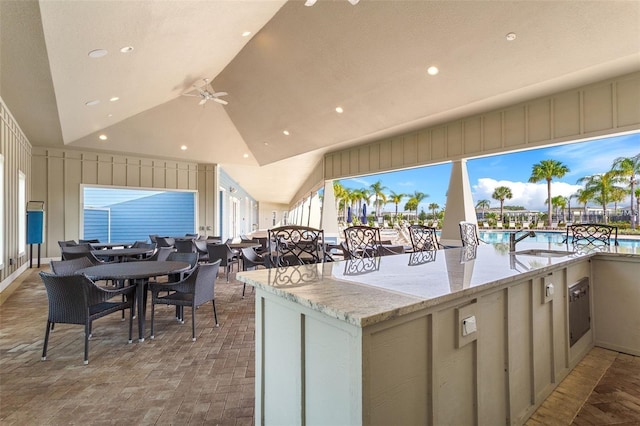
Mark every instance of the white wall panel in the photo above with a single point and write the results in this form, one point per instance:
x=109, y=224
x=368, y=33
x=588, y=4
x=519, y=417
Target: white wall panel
x=608, y=107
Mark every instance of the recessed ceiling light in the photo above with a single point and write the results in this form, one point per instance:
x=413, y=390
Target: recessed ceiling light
x=339, y=110
x=246, y=34
x=511, y=36
x=103, y=137
x=127, y=49
x=432, y=70
x=110, y=115
x=183, y=147
x=98, y=53
x=92, y=103
x=266, y=144
x=115, y=98
x=245, y=155
x=286, y=132
x=310, y=2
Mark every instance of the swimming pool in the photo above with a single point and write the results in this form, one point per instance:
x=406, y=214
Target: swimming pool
x=626, y=245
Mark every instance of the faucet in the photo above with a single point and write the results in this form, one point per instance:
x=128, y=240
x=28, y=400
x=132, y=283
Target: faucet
x=513, y=240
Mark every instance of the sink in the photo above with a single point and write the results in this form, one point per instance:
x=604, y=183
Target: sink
x=544, y=253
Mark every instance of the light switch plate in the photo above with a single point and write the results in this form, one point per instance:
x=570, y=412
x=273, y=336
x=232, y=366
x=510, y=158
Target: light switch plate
x=466, y=324
x=548, y=289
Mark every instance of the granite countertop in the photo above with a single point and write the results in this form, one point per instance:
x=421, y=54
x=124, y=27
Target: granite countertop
x=363, y=292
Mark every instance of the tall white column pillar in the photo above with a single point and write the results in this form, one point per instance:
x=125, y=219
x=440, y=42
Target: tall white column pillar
x=459, y=205
x=329, y=219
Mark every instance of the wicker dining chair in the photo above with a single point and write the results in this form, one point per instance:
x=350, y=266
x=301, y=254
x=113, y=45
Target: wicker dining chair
x=251, y=260
x=75, y=299
x=196, y=289
x=69, y=267
x=227, y=256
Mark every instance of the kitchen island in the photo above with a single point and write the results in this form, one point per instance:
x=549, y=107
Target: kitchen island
x=462, y=336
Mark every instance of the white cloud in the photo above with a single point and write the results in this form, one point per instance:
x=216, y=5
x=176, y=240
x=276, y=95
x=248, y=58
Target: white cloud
x=529, y=195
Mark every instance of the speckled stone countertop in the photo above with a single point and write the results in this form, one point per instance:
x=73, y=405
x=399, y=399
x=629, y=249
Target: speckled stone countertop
x=363, y=292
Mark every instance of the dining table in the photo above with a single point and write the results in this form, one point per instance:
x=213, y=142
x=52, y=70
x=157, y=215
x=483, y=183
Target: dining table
x=138, y=274
x=100, y=246
x=120, y=254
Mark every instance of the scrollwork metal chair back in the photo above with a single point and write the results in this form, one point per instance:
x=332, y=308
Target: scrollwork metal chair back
x=294, y=276
x=361, y=266
x=591, y=234
x=296, y=245
x=362, y=241
x=422, y=257
x=469, y=234
x=423, y=238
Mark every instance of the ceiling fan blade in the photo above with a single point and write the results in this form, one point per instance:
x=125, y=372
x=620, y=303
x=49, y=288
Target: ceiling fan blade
x=192, y=94
x=203, y=101
x=216, y=94
x=220, y=101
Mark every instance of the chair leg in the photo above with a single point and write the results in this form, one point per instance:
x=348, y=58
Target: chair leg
x=153, y=314
x=87, y=332
x=46, y=340
x=244, y=287
x=133, y=303
x=215, y=314
x=193, y=323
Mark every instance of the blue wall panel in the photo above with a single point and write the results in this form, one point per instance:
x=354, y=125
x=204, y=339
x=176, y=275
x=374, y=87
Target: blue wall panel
x=96, y=225
x=135, y=214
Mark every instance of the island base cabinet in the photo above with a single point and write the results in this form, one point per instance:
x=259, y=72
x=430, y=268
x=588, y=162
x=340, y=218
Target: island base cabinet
x=616, y=304
x=488, y=359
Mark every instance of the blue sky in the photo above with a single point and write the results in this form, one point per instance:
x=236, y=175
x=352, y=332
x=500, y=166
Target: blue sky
x=512, y=170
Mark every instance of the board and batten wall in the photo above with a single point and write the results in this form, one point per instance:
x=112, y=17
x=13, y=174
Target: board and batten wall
x=16, y=151
x=58, y=174
x=597, y=110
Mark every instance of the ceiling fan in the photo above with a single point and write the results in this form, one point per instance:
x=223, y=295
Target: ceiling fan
x=206, y=93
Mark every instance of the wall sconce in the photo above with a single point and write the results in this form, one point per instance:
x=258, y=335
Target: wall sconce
x=233, y=189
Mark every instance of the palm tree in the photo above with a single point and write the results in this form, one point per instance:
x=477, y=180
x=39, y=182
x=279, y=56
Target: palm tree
x=583, y=198
x=599, y=189
x=341, y=195
x=628, y=168
x=433, y=207
x=484, y=205
x=501, y=193
x=418, y=196
x=396, y=199
x=559, y=202
x=376, y=191
x=547, y=170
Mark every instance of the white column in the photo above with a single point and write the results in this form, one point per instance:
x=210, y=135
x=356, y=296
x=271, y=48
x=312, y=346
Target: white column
x=314, y=210
x=329, y=219
x=459, y=204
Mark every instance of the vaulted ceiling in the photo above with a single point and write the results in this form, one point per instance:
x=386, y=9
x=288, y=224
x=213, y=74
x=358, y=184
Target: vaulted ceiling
x=297, y=65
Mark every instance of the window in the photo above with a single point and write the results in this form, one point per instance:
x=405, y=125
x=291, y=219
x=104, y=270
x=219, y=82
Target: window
x=22, y=213
x=112, y=214
x=2, y=239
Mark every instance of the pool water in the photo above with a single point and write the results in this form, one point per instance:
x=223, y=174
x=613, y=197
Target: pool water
x=555, y=238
